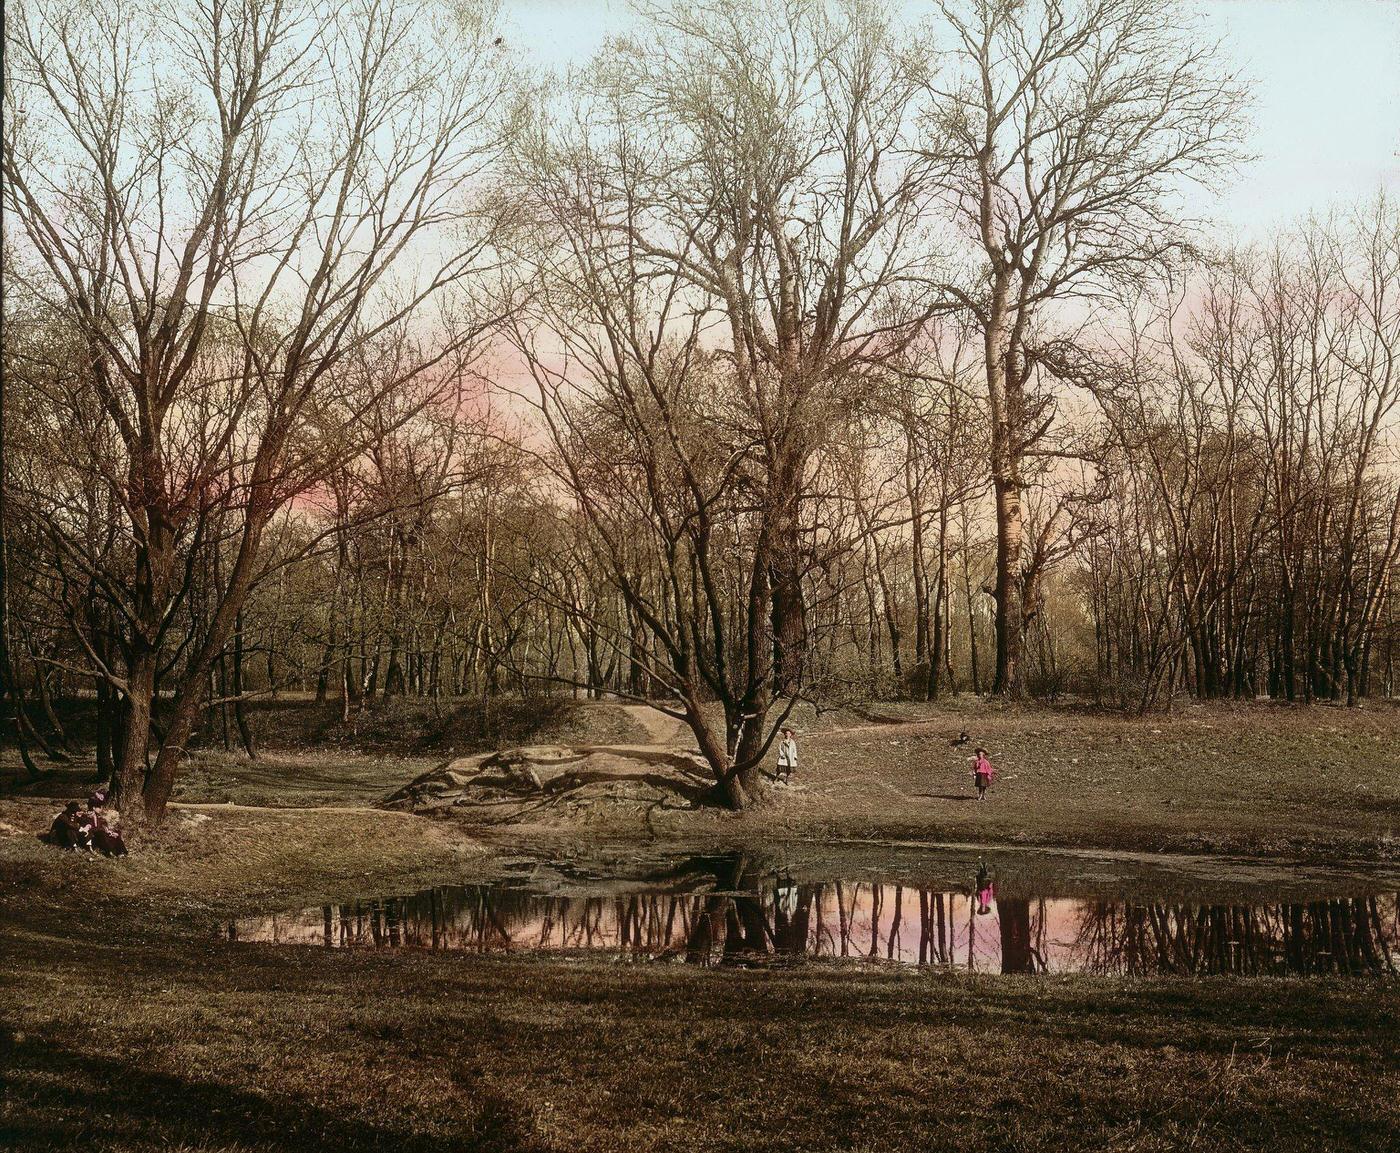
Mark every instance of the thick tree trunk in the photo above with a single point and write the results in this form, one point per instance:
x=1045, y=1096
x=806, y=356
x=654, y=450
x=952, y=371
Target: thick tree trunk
x=720, y=758
x=1004, y=397
x=789, y=609
x=160, y=782
x=192, y=691
x=130, y=776
x=1010, y=623
x=747, y=749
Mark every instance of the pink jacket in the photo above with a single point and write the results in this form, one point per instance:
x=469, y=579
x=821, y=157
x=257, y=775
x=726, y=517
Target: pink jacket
x=984, y=766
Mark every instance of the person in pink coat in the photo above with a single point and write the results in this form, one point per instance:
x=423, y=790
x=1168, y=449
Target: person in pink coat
x=982, y=773
x=986, y=889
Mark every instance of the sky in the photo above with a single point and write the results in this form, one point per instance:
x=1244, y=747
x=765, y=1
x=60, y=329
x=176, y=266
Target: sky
x=1324, y=77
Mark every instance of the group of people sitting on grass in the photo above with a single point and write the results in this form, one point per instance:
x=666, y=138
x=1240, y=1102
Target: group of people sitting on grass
x=87, y=829
x=982, y=768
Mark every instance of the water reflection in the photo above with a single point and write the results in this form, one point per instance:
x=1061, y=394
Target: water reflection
x=750, y=918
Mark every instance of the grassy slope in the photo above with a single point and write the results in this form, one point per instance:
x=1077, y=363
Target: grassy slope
x=125, y=1025
x=172, y=1043
x=1219, y=778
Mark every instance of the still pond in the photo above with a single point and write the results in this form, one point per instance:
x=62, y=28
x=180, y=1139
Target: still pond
x=717, y=911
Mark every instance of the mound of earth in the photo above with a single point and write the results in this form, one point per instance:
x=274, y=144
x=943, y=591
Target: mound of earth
x=555, y=784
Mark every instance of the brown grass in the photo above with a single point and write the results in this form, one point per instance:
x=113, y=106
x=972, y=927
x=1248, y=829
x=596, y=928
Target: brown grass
x=192, y=1044
x=1237, y=779
x=125, y=1024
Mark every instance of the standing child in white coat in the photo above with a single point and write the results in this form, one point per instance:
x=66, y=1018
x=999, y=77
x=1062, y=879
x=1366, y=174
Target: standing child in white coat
x=787, y=755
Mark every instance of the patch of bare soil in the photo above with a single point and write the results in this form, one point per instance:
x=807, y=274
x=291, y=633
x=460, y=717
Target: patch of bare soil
x=552, y=786
x=660, y=728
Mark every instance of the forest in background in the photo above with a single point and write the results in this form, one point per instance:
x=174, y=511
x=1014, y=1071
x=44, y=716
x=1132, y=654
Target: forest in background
x=785, y=353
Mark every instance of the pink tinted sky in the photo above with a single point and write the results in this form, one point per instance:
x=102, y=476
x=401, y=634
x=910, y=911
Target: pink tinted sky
x=1325, y=77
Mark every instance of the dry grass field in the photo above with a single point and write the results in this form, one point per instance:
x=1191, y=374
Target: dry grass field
x=126, y=1024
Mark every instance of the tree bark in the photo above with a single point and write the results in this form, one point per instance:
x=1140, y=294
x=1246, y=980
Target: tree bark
x=130, y=774
x=1003, y=394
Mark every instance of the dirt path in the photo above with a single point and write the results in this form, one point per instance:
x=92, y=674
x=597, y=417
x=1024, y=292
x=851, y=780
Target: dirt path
x=665, y=731
x=231, y=807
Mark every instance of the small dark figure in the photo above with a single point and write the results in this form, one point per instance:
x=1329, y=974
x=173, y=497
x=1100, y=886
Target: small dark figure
x=72, y=828
x=107, y=839
x=986, y=890
x=961, y=739
x=99, y=796
x=982, y=773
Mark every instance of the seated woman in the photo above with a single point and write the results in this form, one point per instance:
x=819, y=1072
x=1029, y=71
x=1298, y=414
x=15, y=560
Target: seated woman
x=107, y=838
x=72, y=828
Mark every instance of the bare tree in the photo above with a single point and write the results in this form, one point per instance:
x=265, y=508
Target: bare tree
x=768, y=162
x=1251, y=540
x=1065, y=130
x=254, y=217
x=641, y=422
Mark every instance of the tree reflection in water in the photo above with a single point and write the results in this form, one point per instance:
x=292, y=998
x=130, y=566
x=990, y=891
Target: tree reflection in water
x=1340, y=936
x=742, y=916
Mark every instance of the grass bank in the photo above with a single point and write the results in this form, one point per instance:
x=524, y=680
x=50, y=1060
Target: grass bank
x=1252, y=779
x=126, y=1024
x=1314, y=782
x=177, y=1043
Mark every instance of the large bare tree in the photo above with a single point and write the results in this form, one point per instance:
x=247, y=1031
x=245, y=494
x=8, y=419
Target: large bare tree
x=1066, y=130
x=251, y=217
x=752, y=158
x=779, y=184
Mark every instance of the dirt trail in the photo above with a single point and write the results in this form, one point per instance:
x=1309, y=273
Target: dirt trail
x=231, y=807
x=665, y=731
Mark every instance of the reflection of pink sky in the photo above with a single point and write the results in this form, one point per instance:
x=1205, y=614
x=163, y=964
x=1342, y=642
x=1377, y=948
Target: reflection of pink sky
x=892, y=929
x=861, y=920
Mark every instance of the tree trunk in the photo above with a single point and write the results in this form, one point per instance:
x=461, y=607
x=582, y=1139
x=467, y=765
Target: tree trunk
x=240, y=711
x=789, y=609
x=160, y=782
x=971, y=608
x=130, y=774
x=921, y=598
x=60, y=736
x=1004, y=397
x=1010, y=622
x=938, y=654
